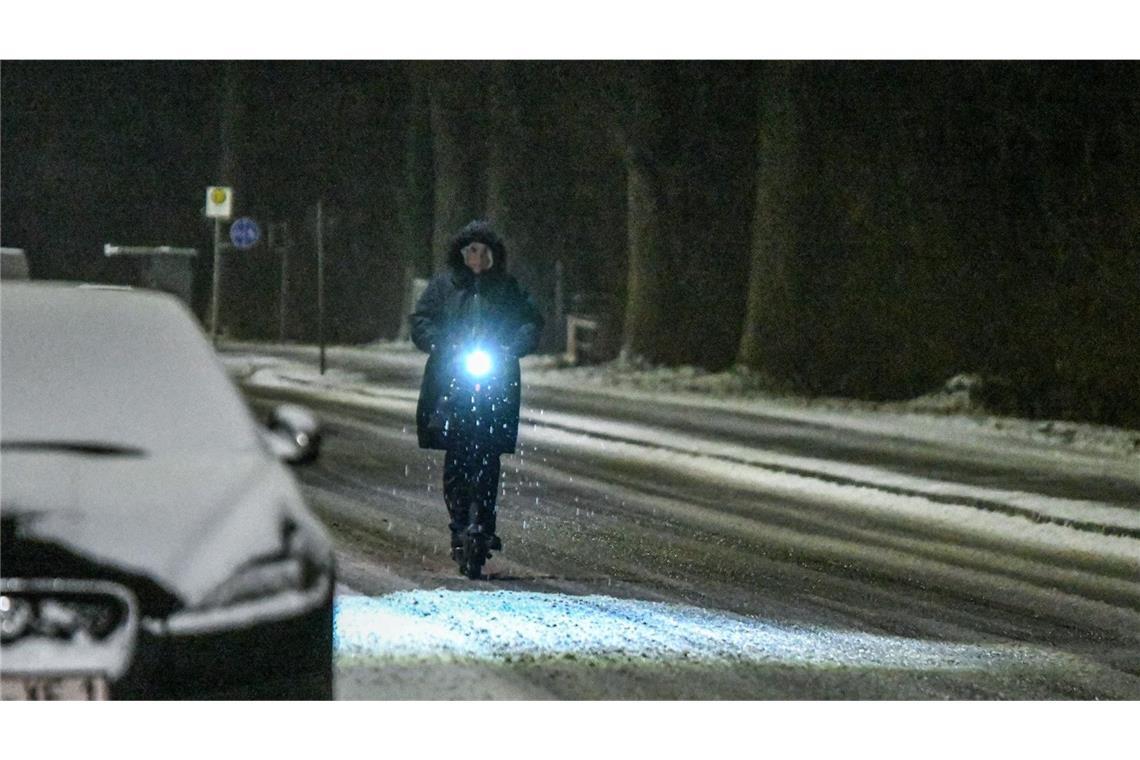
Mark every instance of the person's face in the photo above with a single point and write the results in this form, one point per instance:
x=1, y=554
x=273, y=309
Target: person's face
x=477, y=257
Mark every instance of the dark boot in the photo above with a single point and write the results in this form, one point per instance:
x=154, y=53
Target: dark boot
x=456, y=496
x=488, y=487
x=488, y=520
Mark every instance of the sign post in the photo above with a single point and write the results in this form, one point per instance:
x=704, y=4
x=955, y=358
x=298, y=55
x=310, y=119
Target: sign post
x=219, y=206
x=279, y=241
x=321, y=283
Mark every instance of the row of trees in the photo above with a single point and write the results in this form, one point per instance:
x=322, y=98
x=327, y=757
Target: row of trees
x=856, y=228
x=867, y=229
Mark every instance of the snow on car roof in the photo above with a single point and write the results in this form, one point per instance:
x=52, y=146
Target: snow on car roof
x=129, y=368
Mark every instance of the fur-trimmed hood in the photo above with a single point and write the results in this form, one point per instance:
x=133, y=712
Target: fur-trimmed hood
x=478, y=231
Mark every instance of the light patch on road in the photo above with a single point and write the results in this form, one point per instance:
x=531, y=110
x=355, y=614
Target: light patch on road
x=495, y=625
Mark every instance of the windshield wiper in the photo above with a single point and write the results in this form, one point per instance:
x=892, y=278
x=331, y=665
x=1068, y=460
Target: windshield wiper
x=93, y=448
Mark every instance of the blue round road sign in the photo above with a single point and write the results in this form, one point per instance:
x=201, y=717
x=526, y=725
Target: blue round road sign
x=244, y=233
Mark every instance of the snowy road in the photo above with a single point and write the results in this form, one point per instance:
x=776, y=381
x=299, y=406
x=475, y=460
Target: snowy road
x=696, y=549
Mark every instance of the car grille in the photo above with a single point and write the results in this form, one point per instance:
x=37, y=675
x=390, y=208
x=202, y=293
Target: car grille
x=50, y=610
x=65, y=625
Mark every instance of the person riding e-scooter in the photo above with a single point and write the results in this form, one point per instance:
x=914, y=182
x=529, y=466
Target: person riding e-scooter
x=475, y=321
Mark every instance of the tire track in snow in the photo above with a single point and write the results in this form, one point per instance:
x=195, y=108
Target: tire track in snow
x=958, y=499
x=830, y=486
x=1050, y=510
x=844, y=557
x=849, y=554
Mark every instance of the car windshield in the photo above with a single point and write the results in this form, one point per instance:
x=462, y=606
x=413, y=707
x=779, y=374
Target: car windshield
x=99, y=370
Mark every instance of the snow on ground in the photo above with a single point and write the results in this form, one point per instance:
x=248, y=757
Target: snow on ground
x=952, y=409
x=1066, y=551
x=868, y=497
x=1075, y=510
x=499, y=625
x=948, y=414
x=1062, y=536
x=788, y=475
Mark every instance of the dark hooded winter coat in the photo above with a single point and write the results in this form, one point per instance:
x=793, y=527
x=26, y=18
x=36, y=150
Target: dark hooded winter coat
x=457, y=305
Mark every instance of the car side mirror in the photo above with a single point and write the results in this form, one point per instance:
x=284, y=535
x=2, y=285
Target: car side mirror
x=294, y=434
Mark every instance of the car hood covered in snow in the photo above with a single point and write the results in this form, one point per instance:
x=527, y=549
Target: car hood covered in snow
x=185, y=522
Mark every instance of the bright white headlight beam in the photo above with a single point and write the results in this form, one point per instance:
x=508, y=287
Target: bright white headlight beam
x=496, y=625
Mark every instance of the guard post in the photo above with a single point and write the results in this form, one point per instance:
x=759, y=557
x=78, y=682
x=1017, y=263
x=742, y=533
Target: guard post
x=219, y=207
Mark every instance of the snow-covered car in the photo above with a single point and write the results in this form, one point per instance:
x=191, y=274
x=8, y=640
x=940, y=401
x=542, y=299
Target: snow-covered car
x=154, y=544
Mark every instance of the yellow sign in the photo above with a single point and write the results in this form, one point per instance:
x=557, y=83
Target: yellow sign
x=219, y=202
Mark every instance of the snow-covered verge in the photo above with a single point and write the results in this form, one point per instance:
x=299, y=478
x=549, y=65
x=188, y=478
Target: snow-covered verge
x=954, y=412
x=957, y=405
x=1076, y=557
x=1056, y=528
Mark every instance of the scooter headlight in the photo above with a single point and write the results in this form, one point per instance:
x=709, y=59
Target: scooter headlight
x=478, y=363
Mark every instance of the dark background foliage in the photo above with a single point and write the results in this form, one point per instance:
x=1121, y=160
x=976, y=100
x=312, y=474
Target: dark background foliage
x=858, y=228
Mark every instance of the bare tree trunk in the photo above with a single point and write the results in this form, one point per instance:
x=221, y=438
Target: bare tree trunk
x=227, y=279
x=769, y=317
x=502, y=144
x=419, y=181
x=688, y=167
x=645, y=291
x=511, y=191
x=458, y=105
x=529, y=179
x=643, y=131
x=417, y=192
x=229, y=124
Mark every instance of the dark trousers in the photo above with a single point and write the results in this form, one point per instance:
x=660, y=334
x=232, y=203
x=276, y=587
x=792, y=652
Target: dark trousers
x=471, y=476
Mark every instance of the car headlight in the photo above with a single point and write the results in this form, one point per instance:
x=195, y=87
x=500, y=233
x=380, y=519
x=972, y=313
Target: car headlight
x=261, y=580
x=266, y=590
